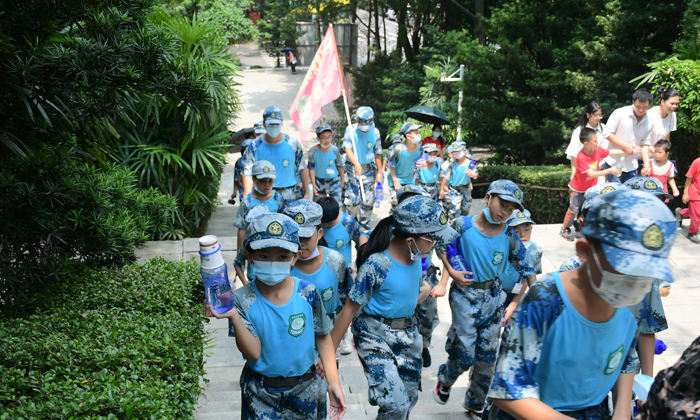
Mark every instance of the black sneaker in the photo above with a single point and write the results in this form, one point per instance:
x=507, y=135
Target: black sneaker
x=694, y=238
x=566, y=234
x=427, y=360
x=441, y=394
x=679, y=218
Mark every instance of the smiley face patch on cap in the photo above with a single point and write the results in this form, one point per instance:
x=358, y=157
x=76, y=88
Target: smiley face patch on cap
x=607, y=190
x=520, y=215
x=299, y=218
x=650, y=185
x=653, y=238
x=516, y=193
x=275, y=229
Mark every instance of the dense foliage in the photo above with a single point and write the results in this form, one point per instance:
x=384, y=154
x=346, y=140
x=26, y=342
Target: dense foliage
x=226, y=16
x=124, y=343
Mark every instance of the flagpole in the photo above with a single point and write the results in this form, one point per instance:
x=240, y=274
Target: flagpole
x=347, y=110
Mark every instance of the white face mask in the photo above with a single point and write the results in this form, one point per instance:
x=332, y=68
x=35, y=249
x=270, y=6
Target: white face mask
x=487, y=214
x=313, y=254
x=619, y=290
x=415, y=255
x=458, y=155
x=431, y=158
x=273, y=130
x=416, y=138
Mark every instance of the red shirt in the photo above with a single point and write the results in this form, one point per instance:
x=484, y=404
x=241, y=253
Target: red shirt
x=585, y=163
x=438, y=141
x=694, y=175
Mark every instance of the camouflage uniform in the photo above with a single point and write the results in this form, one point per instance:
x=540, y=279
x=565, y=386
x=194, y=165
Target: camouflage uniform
x=403, y=162
x=431, y=188
x=355, y=206
x=395, y=141
x=328, y=183
x=391, y=354
x=636, y=232
x=301, y=400
x=458, y=201
x=426, y=311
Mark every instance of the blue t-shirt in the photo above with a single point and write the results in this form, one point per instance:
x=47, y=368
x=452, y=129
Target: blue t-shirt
x=283, y=330
x=326, y=281
x=429, y=175
x=367, y=144
x=455, y=173
x=338, y=237
x=387, y=288
x=488, y=256
x=404, y=163
x=283, y=158
x=511, y=277
x=325, y=164
x=556, y=355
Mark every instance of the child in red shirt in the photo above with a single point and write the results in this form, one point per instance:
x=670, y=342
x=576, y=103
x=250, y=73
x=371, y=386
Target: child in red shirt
x=586, y=176
x=691, y=196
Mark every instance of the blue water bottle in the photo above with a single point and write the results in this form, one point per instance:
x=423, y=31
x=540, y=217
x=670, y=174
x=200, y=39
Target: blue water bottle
x=378, y=195
x=217, y=289
x=458, y=262
x=472, y=165
x=659, y=346
x=424, y=156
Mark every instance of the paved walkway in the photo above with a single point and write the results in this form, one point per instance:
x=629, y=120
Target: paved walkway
x=221, y=399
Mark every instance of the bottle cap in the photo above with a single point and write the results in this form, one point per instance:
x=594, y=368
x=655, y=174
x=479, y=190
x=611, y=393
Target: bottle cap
x=210, y=252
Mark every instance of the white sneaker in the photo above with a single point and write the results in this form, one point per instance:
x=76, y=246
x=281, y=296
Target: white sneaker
x=472, y=414
x=345, y=346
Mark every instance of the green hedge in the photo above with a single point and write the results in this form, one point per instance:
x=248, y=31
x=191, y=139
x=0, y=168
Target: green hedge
x=545, y=188
x=124, y=343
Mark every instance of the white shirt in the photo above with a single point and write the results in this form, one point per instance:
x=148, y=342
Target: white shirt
x=661, y=170
x=575, y=144
x=624, y=125
x=661, y=126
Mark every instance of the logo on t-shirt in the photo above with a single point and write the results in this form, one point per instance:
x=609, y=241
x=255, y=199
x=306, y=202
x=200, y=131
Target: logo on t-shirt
x=369, y=145
x=285, y=162
x=331, y=162
x=497, y=258
x=327, y=294
x=297, y=323
x=593, y=166
x=614, y=360
x=339, y=243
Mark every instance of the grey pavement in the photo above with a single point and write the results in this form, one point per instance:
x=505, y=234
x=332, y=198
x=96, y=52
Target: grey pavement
x=223, y=362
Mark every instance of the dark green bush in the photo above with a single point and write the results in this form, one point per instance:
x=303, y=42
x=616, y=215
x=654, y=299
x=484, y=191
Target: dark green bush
x=58, y=213
x=545, y=188
x=122, y=343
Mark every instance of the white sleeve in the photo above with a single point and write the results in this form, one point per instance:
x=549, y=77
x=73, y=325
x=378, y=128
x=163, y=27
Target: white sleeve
x=575, y=145
x=673, y=122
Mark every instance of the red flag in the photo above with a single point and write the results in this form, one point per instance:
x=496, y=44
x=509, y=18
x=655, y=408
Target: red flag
x=321, y=85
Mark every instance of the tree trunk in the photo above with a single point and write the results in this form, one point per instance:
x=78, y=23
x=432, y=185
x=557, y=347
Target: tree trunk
x=377, y=37
x=369, y=31
x=478, y=23
x=402, y=41
x=384, y=26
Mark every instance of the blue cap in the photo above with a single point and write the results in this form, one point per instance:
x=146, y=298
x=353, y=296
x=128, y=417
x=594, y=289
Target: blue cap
x=636, y=231
x=408, y=127
x=259, y=129
x=408, y=188
x=272, y=115
x=264, y=169
x=519, y=217
x=307, y=214
x=396, y=138
x=430, y=147
x=272, y=230
x=246, y=143
x=600, y=189
x=648, y=184
x=323, y=127
x=365, y=119
x=507, y=190
x=420, y=214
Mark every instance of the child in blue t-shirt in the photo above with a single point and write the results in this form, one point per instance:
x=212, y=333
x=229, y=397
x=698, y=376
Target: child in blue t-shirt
x=427, y=173
x=388, y=287
x=487, y=246
x=339, y=228
x=263, y=180
x=456, y=181
x=326, y=165
x=573, y=337
x=279, y=322
x=238, y=169
x=402, y=160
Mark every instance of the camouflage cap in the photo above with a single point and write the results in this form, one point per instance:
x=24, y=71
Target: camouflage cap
x=408, y=188
x=648, y=184
x=255, y=212
x=457, y=146
x=259, y=129
x=519, y=217
x=323, y=127
x=600, y=189
x=507, y=190
x=365, y=118
x=396, y=138
x=420, y=214
x=264, y=169
x=272, y=230
x=407, y=127
x=306, y=213
x=272, y=115
x=430, y=147
x=635, y=230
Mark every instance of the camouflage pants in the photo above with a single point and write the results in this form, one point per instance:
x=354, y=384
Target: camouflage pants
x=360, y=209
x=597, y=412
x=472, y=340
x=427, y=313
x=432, y=190
x=392, y=196
x=330, y=187
x=457, y=202
x=391, y=359
x=289, y=193
x=654, y=316
x=302, y=401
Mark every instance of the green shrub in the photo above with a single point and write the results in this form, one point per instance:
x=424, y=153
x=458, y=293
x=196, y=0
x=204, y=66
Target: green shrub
x=58, y=213
x=122, y=343
x=545, y=188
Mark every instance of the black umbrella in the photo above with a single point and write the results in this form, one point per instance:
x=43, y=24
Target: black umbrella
x=427, y=114
x=237, y=138
x=285, y=49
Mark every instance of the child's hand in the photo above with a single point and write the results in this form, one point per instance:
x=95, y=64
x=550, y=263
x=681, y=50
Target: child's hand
x=209, y=311
x=420, y=163
x=685, y=199
x=319, y=369
x=508, y=314
x=358, y=170
x=439, y=291
x=676, y=193
x=646, y=171
x=460, y=278
x=316, y=189
x=614, y=171
x=470, y=173
x=337, y=402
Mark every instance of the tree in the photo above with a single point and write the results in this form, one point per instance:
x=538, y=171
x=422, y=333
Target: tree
x=278, y=27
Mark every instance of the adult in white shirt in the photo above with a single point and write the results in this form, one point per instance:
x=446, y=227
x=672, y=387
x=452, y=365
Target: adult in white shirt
x=590, y=119
x=628, y=129
x=663, y=117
